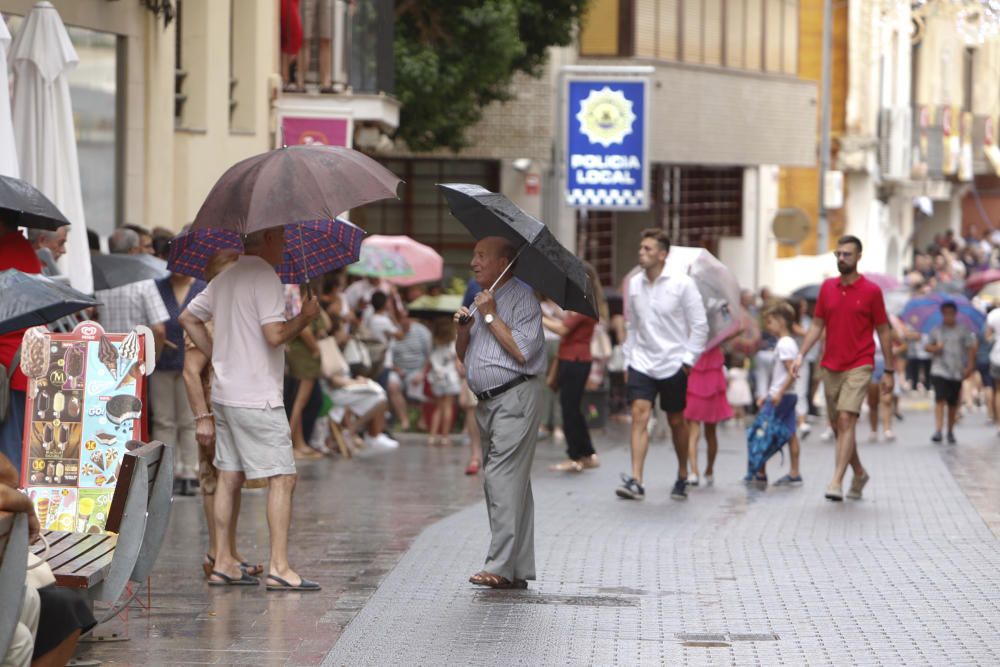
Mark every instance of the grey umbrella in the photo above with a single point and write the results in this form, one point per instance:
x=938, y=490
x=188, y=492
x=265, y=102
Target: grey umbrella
x=541, y=261
x=24, y=205
x=32, y=299
x=112, y=271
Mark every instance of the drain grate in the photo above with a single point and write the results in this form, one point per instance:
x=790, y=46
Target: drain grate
x=507, y=597
x=722, y=639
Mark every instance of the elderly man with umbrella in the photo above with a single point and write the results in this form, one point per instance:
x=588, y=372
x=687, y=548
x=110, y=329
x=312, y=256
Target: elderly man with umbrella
x=502, y=345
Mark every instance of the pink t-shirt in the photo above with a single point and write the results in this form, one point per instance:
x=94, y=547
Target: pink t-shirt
x=249, y=372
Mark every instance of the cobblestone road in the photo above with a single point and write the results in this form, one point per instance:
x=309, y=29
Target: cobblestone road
x=909, y=575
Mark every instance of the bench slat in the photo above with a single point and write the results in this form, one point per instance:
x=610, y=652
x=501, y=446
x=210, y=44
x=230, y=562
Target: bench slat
x=81, y=550
x=94, y=571
x=67, y=541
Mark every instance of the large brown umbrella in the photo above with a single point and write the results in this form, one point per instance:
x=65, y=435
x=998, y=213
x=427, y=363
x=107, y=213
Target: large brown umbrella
x=292, y=185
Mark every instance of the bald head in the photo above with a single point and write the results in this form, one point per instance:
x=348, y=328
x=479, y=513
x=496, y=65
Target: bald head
x=490, y=257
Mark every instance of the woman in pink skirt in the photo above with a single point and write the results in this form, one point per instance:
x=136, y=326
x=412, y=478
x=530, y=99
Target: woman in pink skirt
x=706, y=404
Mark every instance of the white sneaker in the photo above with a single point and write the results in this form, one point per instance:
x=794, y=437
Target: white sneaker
x=709, y=480
x=381, y=440
x=827, y=435
x=692, y=480
x=804, y=430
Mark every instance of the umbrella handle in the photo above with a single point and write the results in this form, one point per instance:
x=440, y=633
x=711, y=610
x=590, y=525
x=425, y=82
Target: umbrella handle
x=464, y=319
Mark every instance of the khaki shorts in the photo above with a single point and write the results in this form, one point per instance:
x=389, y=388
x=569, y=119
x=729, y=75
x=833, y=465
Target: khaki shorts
x=847, y=390
x=256, y=442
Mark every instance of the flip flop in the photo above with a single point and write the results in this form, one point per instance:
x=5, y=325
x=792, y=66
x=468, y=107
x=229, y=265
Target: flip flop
x=244, y=580
x=282, y=585
x=491, y=580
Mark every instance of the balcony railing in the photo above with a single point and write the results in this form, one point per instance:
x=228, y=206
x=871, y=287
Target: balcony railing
x=361, y=49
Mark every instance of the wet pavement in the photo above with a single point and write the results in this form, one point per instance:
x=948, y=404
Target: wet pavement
x=910, y=574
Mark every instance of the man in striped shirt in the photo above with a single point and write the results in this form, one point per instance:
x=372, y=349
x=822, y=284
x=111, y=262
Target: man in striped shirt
x=503, y=349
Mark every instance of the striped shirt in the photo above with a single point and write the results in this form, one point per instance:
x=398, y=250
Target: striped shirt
x=488, y=365
x=126, y=307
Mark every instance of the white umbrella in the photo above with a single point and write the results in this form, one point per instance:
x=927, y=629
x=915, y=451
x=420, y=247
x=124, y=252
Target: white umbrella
x=40, y=57
x=8, y=152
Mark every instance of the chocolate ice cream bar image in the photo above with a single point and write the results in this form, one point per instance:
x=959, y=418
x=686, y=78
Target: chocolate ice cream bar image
x=122, y=408
x=108, y=355
x=106, y=438
x=98, y=458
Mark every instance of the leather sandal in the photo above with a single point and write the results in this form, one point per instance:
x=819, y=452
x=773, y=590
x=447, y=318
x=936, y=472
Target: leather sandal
x=491, y=580
x=567, y=466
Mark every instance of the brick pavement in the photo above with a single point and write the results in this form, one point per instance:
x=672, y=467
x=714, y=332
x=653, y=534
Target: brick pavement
x=911, y=574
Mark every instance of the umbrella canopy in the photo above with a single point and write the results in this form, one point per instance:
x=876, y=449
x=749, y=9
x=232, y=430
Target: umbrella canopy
x=991, y=292
x=718, y=287
x=883, y=280
x=311, y=249
x=8, y=149
x=399, y=259
x=25, y=206
x=542, y=261
x=112, y=271
x=443, y=305
x=291, y=185
x=923, y=313
x=809, y=293
x=978, y=281
x=44, y=134
x=32, y=299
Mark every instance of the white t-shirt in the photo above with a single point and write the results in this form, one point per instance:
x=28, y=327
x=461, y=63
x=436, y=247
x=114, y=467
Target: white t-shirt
x=785, y=350
x=249, y=372
x=993, y=323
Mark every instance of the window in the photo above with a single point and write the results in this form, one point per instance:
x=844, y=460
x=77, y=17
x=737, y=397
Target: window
x=761, y=35
x=606, y=28
x=699, y=205
x=421, y=211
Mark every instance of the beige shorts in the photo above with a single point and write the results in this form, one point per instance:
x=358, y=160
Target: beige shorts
x=256, y=442
x=317, y=19
x=847, y=390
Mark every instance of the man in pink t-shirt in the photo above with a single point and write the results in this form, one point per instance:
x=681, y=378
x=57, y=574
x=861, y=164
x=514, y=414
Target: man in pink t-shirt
x=253, y=439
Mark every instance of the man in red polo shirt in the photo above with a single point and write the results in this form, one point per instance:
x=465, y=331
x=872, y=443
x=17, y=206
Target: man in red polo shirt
x=850, y=308
x=15, y=253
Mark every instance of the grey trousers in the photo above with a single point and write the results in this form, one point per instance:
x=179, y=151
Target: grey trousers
x=509, y=428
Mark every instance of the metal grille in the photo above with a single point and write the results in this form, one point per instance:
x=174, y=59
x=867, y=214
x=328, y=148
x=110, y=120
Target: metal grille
x=699, y=205
x=596, y=242
x=421, y=211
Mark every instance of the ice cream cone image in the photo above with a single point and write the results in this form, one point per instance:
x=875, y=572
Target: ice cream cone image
x=86, y=509
x=65, y=521
x=43, y=511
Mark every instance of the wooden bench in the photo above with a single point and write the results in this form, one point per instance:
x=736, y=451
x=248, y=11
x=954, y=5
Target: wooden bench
x=103, y=564
x=13, y=569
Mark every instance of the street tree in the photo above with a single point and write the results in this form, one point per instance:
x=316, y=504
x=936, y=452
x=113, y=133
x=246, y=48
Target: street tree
x=454, y=57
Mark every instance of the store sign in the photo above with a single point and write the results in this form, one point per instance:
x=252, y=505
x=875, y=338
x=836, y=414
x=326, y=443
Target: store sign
x=310, y=131
x=84, y=404
x=606, y=144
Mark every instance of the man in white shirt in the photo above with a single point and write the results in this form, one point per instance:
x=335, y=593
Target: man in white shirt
x=253, y=439
x=667, y=331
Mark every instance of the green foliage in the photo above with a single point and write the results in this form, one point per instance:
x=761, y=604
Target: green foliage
x=455, y=57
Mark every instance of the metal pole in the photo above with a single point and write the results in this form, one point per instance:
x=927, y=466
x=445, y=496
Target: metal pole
x=822, y=226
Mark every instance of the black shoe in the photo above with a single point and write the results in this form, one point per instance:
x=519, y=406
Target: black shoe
x=936, y=437
x=680, y=490
x=951, y=439
x=899, y=416
x=630, y=489
x=178, y=487
x=188, y=488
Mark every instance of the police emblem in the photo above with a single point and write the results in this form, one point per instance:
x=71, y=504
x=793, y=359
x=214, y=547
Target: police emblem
x=606, y=116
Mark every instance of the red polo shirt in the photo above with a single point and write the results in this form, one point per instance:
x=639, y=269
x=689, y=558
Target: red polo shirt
x=16, y=253
x=851, y=313
x=575, y=345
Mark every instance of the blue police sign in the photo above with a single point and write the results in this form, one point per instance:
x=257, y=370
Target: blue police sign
x=606, y=152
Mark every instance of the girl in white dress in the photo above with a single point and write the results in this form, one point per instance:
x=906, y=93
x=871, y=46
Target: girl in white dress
x=445, y=380
x=738, y=392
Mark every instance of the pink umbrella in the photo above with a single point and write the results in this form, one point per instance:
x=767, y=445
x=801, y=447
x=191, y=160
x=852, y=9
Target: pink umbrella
x=981, y=279
x=883, y=280
x=425, y=264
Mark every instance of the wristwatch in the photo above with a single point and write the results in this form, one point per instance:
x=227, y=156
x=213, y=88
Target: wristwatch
x=490, y=317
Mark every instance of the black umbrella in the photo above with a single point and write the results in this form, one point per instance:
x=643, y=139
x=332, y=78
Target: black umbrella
x=809, y=293
x=541, y=260
x=112, y=271
x=24, y=205
x=32, y=299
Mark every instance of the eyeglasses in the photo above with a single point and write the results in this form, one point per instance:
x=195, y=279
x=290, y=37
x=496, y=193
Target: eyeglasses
x=843, y=255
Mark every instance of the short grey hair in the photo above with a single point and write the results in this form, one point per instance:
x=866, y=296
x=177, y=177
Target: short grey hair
x=122, y=241
x=37, y=236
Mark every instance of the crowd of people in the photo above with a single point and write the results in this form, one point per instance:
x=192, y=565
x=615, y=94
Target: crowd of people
x=344, y=363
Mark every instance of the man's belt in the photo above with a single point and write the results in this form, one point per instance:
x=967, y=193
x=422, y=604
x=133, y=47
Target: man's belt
x=496, y=391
